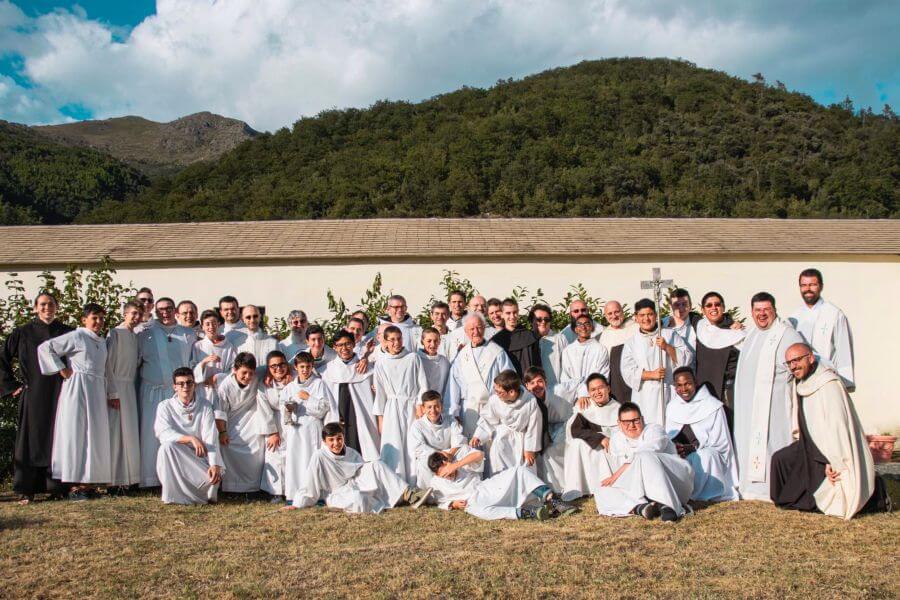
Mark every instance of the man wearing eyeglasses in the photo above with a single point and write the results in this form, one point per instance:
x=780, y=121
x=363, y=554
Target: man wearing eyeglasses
x=162, y=347
x=189, y=463
x=295, y=341
x=581, y=358
x=398, y=317
x=551, y=343
x=576, y=309
x=828, y=468
x=252, y=338
x=762, y=404
x=719, y=338
x=652, y=480
x=145, y=298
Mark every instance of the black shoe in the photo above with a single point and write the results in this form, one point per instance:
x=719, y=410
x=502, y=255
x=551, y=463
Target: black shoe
x=79, y=496
x=541, y=513
x=648, y=510
x=558, y=508
x=668, y=515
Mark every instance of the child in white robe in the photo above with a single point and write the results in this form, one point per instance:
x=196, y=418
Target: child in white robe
x=437, y=367
x=121, y=372
x=81, y=453
x=516, y=493
x=555, y=412
x=338, y=475
x=652, y=481
x=189, y=464
x=509, y=425
x=433, y=432
x=588, y=432
x=695, y=420
x=270, y=404
x=243, y=451
x=212, y=354
x=399, y=384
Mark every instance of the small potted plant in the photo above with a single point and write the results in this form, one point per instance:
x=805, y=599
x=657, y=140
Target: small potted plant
x=882, y=446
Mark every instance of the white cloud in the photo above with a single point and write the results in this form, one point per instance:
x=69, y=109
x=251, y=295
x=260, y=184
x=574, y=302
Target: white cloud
x=271, y=62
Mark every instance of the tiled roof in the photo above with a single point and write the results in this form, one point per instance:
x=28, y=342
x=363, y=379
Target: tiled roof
x=423, y=238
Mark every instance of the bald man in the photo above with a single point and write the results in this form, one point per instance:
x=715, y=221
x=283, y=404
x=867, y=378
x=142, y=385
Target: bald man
x=252, y=338
x=576, y=309
x=451, y=343
x=613, y=338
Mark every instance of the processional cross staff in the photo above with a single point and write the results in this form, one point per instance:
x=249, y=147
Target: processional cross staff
x=656, y=284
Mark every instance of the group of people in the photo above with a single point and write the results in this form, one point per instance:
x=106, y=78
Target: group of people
x=474, y=412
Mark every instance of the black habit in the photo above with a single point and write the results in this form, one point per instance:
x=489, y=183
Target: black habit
x=797, y=471
x=37, y=405
x=618, y=389
x=523, y=347
x=717, y=368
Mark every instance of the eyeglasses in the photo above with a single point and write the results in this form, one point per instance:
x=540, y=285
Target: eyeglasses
x=582, y=324
x=280, y=365
x=632, y=422
x=793, y=361
x=184, y=384
x=252, y=317
x=165, y=308
x=578, y=311
x=713, y=305
x=343, y=345
x=542, y=319
x=396, y=306
x=146, y=300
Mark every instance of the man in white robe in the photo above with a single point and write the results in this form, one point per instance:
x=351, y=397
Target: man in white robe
x=555, y=412
x=188, y=464
x=584, y=356
x=338, y=476
x=551, y=344
x=81, y=434
x=648, y=359
x=436, y=365
x=398, y=317
x=295, y=341
x=352, y=392
x=230, y=311
x=433, y=432
x=696, y=422
x=144, y=297
x=578, y=308
x=237, y=408
x=652, y=480
x=825, y=327
x=251, y=338
x=762, y=404
x=510, y=425
x=613, y=339
x=472, y=374
x=682, y=320
x=270, y=399
x=587, y=460
x=829, y=467
x=163, y=346
x=321, y=353
x=515, y=493
x=121, y=372
x=457, y=339
x=399, y=382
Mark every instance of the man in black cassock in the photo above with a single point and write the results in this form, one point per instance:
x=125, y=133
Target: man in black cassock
x=522, y=345
x=718, y=339
x=37, y=395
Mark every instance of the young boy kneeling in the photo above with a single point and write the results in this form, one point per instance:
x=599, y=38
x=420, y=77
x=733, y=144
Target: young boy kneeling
x=338, y=475
x=514, y=493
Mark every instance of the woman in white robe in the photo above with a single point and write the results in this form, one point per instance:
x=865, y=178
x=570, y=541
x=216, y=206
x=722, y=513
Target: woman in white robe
x=243, y=450
x=433, y=432
x=121, y=371
x=81, y=452
x=710, y=453
x=399, y=384
x=185, y=475
x=510, y=429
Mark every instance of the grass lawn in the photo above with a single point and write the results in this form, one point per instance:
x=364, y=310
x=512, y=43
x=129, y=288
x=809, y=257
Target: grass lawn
x=136, y=546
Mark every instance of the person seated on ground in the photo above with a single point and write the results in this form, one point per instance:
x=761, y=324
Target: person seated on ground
x=829, y=468
x=652, y=481
x=509, y=425
x=243, y=450
x=433, y=432
x=696, y=422
x=189, y=464
x=516, y=493
x=587, y=461
x=555, y=412
x=338, y=476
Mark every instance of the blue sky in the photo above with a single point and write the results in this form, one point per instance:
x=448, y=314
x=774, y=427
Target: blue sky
x=269, y=62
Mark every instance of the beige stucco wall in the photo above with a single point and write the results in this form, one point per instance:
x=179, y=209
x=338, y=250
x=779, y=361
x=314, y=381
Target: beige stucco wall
x=864, y=287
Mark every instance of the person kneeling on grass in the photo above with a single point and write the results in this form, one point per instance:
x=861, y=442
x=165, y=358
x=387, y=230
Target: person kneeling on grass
x=189, y=464
x=514, y=493
x=338, y=475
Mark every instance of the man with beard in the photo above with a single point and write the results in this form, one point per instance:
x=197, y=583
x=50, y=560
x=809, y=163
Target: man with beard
x=398, y=317
x=613, y=338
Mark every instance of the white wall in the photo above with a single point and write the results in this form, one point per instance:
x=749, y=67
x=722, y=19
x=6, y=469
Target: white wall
x=864, y=287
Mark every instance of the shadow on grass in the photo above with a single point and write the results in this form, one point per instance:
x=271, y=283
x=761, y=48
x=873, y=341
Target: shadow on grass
x=19, y=522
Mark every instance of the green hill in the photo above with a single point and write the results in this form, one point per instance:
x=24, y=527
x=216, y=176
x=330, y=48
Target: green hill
x=42, y=181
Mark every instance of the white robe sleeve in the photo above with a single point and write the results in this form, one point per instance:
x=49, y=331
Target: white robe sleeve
x=487, y=423
x=223, y=404
x=418, y=445
x=684, y=356
x=457, y=439
x=318, y=404
x=535, y=430
x=265, y=412
x=454, y=390
x=112, y=345
x=843, y=352
x=52, y=352
x=165, y=428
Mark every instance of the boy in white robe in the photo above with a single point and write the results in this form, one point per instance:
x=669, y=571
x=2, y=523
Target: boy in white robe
x=515, y=493
x=648, y=359
x=695, y=420
x=188, y=464
x=399, y=384
x=433, y=432
x=587, y=460
x=580, y=358
x=307, y=404
x=243, y=451
x=510, y=425
x=338, y=475
x=555, y=411
x=652, y=481
x=436, y=365
x=121, y=371
x=81, y=433
x=212, y=354
x=270, y=404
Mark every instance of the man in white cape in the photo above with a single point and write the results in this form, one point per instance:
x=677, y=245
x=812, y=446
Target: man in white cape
x=510, y=425
x=189, y=464
x=237, y=419
x=652, y=480
x=587, y=460
x=121, y=373
x=472, y=374
x=829, y=467
x=433, y=432
x=824, y=327
x=457, y=339
x=762, y=404
x=695, y=420
x=339, y=477
x=584, y=356
x=648, y=359
x=251, y=338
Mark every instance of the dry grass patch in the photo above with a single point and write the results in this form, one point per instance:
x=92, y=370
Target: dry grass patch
x=134, y=547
